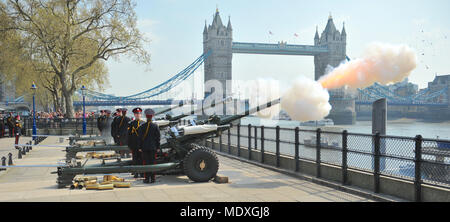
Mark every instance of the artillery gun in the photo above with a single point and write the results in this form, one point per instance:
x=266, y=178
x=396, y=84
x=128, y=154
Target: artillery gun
x=179, y=154
x=169, y=117
x=76, y=138
x=73, y=149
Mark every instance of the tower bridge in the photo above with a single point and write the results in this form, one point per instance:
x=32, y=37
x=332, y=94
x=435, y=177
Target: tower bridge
x=329, y=49
x=277, y=49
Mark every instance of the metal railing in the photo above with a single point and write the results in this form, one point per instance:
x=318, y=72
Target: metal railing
x=414, y=159
x=62, y=123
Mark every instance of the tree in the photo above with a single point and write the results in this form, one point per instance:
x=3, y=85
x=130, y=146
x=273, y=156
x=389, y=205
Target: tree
x=73, y=38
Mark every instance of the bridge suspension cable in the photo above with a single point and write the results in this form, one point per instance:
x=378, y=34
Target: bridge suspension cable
x=155, y=91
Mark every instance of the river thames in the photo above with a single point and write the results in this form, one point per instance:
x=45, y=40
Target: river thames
x=400, y=127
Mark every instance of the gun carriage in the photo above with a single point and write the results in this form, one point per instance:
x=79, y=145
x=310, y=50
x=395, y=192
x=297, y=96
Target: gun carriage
x=179, y=154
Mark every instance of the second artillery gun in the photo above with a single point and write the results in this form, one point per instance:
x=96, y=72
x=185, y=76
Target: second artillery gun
x=180, y=154
x=74, y=139
x=73, y=149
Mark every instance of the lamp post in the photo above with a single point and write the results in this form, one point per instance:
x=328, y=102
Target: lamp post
x=33, y=88
x=83, y=89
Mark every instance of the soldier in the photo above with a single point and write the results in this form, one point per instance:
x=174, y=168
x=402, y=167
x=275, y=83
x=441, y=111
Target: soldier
x=107, y=121
x=10, y=123
x=114, y=126
x=17, y=130
x=2, y=126
x=122, y=128
x=133, y=138
x=100, y=121
x=5, y=124
x=150, y=136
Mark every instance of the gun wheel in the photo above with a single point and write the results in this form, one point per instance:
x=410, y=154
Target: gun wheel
x=201, y=164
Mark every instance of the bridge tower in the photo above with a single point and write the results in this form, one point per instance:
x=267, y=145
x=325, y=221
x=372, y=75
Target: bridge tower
x=218, y=39
x=337, y=48
x=343, y=111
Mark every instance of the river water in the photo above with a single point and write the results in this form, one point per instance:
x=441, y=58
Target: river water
x=400, y=127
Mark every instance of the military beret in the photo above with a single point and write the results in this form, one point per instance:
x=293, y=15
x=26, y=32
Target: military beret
x=107, y=111
x=124, y=109
x=118, y=110
x=137, y=110
x=149, y=112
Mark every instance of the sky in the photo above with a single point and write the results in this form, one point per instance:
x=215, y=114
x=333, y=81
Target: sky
x=175, y=29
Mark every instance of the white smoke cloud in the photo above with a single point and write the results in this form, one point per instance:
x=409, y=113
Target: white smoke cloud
x=382, y=63
x=263, y=91
x=306, y=100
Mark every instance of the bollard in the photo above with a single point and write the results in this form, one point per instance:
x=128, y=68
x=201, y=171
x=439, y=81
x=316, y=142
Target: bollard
x=3, y=161
x=10, y=161
x=20, y=153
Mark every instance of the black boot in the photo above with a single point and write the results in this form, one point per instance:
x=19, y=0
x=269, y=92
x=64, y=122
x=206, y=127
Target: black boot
x=146, y=180
x=153, y=178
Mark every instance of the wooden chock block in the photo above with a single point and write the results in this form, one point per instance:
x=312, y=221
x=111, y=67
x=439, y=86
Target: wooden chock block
x=220, y=179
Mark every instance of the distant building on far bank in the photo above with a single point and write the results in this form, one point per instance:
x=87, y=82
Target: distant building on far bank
x=439, y=83
x=404, y=88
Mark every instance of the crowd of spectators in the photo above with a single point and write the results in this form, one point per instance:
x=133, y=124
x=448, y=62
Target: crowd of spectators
x=60, y=115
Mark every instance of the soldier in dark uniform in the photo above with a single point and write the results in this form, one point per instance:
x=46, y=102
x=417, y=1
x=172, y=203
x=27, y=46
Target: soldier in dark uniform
x=10, y=123
x=17, y=130
x=114, y=126
x=100, y=120
x=2, y=126
x=150, y=136
x=134, y=142
x=122, y=128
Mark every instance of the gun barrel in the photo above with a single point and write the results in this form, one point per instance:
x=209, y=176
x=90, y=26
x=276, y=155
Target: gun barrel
x=226, y=100
x=230, y=119
x=181, y=104
x=117, y=169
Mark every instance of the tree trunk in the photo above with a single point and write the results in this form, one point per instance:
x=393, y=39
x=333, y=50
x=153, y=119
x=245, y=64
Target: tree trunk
x=62, y=107
x=67, y=94
x=69, y=104
x=57, y=101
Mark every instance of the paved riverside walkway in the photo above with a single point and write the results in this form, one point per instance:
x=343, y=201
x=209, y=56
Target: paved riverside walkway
x=7, y=146
x=247, y=183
